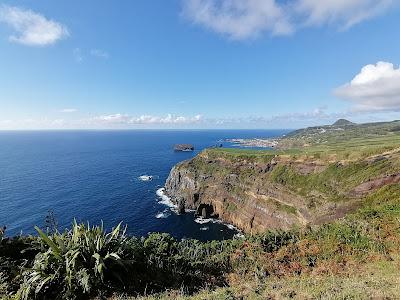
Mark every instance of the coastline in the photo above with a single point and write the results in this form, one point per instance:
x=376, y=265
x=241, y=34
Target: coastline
x=168, y=202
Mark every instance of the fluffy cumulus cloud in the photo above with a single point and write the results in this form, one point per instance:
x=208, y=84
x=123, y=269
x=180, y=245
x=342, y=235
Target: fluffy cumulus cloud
x=31, y=28
x=376, y=87
x=247, y=19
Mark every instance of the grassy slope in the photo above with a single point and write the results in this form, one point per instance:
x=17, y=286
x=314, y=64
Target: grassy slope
x=349, y=158
x=356, y=257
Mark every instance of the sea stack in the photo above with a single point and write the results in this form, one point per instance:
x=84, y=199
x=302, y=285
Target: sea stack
x=184, y=147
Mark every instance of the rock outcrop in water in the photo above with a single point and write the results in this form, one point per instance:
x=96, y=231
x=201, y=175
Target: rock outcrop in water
x=184, y=147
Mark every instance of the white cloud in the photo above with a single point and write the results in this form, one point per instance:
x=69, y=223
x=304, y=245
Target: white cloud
x=99, y=53
x=240, y=19
x=376, y=87
x=345, y=13
x=121, y=119
x=113, y=121
x=68, y=110
x=31, y=29
x=315, y=117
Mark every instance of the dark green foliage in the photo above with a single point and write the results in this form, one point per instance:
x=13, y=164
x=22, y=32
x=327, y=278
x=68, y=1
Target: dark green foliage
x=85, y=261
x=15, y=254
x=75, y=263
x=2, y=233
x=188, y=262
x=272, y=241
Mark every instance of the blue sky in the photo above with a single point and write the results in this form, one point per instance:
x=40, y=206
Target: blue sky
x=197, y=63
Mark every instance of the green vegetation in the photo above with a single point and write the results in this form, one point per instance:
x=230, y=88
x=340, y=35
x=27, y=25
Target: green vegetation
x=284, y=207
x=75, y=262
x=230, y=207
x=86, y=261
x=231, y=154
x=343, y=122
x=354, y=141
x=332, y=147
x=335, y=181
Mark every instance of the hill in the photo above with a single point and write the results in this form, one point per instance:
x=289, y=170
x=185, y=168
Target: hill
x=342, y=122
x=330, y=134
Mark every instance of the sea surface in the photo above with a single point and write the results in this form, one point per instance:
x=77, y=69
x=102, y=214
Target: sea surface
x=94, y=176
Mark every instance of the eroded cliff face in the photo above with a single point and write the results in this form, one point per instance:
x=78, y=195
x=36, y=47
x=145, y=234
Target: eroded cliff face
x=274, y=192
x=235, y=192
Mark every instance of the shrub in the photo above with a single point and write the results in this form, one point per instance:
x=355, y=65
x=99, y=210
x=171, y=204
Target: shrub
x=75, y=263
x=2, y=233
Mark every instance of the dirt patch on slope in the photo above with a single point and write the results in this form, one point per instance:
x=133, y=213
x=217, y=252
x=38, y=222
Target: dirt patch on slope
x=374, y=184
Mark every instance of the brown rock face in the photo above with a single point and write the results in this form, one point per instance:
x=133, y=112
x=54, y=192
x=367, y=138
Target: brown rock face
x=375, y=184
x=275, y=192
x=216, y=188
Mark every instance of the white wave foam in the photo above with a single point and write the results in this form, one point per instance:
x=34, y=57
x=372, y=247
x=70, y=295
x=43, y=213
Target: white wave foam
x=201, y=220
x=145, y=178
x=165, y=200
x=164, y=214
x=238, y=236
x=230, y=226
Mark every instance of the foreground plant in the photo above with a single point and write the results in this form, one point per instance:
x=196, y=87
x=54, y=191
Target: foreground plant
x=75, y=263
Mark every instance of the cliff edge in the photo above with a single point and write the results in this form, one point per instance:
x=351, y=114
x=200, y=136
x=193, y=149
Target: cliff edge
x=261, y=190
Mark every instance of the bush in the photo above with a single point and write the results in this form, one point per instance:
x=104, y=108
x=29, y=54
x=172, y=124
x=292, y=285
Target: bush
x=75, y=263
x=2, y=233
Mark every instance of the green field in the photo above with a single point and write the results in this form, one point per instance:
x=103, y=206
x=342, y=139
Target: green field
x=352, y=142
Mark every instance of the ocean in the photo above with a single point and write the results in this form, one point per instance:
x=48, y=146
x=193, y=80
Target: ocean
x=94, y=176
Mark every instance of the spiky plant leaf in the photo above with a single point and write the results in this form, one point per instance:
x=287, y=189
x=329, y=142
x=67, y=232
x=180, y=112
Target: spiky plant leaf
x=56, y=250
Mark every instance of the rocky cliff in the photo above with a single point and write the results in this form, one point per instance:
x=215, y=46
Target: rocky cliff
x=256, y=192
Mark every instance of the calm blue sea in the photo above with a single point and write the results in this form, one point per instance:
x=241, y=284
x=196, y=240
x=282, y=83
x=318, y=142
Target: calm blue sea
x=93, y=176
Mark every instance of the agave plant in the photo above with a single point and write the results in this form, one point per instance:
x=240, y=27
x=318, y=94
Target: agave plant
x=74, y=263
